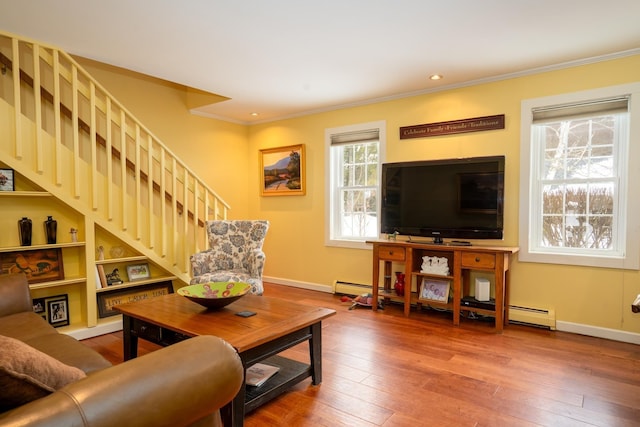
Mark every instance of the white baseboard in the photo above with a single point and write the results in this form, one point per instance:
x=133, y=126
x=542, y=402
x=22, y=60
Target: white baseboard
x=298, y=284
x=598, y=332
x=104, y=328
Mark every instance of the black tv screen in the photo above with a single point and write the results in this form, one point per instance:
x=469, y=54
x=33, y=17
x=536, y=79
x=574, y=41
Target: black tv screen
x=453, y=198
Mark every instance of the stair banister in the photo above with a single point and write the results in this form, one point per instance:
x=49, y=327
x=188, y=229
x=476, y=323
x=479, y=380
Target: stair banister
x=197, y=202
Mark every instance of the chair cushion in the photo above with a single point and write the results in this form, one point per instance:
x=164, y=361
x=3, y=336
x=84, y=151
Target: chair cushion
x=27, y=374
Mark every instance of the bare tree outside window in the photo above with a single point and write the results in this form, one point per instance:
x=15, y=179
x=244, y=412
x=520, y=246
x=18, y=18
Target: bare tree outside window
x=578, y=183
x=359, y=189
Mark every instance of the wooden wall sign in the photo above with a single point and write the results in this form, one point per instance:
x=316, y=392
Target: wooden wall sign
x=455, y=126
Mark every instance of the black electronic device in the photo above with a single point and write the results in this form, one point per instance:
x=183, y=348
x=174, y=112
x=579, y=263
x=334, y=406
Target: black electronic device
x=471, y=302
x=452, y=198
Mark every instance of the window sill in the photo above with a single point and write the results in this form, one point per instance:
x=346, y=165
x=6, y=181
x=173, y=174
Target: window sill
x=579, y=260
x=351, y=244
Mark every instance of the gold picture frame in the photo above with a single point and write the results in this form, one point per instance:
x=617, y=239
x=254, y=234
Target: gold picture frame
x=282, y=171
x=434, y=291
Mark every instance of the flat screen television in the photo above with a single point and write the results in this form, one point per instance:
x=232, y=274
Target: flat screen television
x=452, y=198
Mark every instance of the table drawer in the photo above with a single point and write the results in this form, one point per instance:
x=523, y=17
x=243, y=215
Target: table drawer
x=478, y=260
x=147, y=331
x=391, y=253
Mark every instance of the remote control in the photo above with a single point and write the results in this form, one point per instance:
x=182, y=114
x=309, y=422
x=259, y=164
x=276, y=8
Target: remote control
x=460, y=243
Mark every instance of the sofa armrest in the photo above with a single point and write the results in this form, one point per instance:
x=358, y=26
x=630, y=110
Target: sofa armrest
x=174, y=386
x=14, y=294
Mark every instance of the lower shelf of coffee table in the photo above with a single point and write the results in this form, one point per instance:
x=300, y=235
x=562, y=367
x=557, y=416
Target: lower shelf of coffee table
x=291, y=372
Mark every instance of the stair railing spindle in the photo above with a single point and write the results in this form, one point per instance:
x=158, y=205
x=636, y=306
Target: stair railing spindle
x=163, y=204
x=17, y=100
x=76, y=132
x=57, y=120
x=38, y=108
x=138, y=192
x=109, y=148
x=94, y=146
x=151, y=222
x=123, y=169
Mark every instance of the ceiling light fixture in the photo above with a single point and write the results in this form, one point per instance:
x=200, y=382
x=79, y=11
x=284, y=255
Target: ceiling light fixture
x=435, y=77
x=255, y=114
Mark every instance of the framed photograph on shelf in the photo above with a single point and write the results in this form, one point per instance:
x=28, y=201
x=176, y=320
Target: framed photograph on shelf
x=138, y=272
x=7, y=181
x=54, y=310
x=109, y=299
x=282, y=171
x=39, y=265
x=434, y=291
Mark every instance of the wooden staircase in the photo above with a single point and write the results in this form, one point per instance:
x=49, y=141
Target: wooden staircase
x=62, y=131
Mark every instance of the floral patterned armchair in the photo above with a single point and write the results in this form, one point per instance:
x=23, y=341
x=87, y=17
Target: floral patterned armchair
x=235, y=254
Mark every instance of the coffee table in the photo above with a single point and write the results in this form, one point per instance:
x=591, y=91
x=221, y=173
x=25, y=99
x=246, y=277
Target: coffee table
x=277, y=326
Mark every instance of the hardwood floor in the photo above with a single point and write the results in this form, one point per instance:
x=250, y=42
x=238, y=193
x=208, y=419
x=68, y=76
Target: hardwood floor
x=382, y=369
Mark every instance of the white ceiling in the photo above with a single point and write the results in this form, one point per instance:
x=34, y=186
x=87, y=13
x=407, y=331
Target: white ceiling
x=283, y=58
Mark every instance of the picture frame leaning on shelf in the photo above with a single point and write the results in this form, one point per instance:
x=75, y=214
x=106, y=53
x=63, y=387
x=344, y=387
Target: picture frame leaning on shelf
x=138, y=272
x=54, y=309
x=39, y=265
x=434, y=291
x=7, y=181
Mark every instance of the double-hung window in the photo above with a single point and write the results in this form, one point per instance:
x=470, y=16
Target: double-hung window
x=354, y=155
x=578, y=179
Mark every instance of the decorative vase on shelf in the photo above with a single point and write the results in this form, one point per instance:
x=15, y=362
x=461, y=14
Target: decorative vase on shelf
x=51, y=229
x=398, y=286
x=25, y=226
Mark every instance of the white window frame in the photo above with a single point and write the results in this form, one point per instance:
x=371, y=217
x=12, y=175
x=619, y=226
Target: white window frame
x=332, y=201
x=628, y=257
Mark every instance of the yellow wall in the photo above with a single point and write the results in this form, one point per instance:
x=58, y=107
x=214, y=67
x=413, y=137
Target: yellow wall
x=591, y=296
x=295, y=244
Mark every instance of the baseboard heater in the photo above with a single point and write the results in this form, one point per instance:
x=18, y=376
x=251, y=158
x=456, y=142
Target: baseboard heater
x=545, y=318
x=350, y=288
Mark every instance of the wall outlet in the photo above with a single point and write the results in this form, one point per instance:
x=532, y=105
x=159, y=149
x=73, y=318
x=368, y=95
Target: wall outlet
x=635, y=306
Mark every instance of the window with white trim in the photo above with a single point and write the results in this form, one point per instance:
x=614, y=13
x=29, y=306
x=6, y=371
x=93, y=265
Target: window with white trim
x=577, y=181
x=354, y=156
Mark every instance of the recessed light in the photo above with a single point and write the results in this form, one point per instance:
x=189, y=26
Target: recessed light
x=435, y=77
x=255, y=114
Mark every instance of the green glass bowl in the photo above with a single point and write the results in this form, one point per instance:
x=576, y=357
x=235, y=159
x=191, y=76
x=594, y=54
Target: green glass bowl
x=215, y=294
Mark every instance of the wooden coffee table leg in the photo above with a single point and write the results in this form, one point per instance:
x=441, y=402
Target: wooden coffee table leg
x=236, y=411
x=226, y=414
x=315, y=353
x=130, y=341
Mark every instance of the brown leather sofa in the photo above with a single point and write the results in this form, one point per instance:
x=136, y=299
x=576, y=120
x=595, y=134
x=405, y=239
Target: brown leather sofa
x=181, y=385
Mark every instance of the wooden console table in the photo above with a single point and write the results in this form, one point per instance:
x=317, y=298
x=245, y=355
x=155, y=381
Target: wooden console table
x=461, y=260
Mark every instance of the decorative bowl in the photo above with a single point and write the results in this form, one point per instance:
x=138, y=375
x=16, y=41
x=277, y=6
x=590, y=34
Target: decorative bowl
x=215, y=294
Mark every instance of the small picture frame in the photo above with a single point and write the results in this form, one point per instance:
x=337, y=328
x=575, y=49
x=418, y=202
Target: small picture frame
x=138, y=272
x=282, y=171
x=434, y=291
x=54, y=310
x=7, y=181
